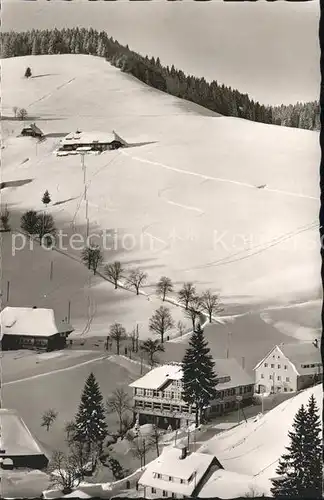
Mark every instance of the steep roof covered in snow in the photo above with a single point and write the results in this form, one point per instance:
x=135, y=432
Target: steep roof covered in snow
x=31, y=321
x=254, y=447
x=169, y=464
x=16, y=439
x=229, y=367
x=157, y=377
x=226, y=484
x=81, y=138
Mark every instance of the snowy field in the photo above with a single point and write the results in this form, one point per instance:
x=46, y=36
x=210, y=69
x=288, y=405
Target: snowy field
x=62, y=390
x=185, y=205
x=202, y=39
x=254, y=447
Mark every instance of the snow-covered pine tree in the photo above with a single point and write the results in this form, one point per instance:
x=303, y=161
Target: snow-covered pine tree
x=199, y=379
x=90, y=423
x=314, y=452
x=297, y=478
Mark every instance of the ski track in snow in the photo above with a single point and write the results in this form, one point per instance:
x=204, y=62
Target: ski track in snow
x=51, y=93
x=186, y=207
x=218, y=179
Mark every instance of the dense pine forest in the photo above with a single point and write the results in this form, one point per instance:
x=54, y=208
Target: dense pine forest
x=211, y=95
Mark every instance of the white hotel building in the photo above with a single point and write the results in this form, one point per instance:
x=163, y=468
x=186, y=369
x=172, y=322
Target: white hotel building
x=158, y=394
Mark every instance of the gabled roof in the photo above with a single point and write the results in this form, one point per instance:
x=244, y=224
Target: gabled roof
x=94, y=137
x=298, y=354
x=31, y=321
x=157, y=377
x=230, y=367
x=169, y=463
x=34, y=128
x=16, y=438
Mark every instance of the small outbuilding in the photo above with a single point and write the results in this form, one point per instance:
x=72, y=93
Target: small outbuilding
x=32, y=131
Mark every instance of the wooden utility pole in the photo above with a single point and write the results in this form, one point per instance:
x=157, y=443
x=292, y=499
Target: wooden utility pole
x=8, y=290
x=85, y=193
x=69, y=311
x=51, y=271
x=141, y=363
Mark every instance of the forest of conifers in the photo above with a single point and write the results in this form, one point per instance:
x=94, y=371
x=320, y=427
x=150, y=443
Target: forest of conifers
x=211, y=95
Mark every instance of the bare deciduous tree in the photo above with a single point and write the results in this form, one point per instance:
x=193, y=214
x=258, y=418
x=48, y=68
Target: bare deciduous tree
x=119, y=403
x=22, y=114
x=161, y=322
x=181, y=327
x=4, y=217
x=133, y=336
x=92, y=257
x=210, y=303
x=48, y=418
x=194, y=310
x=164, y=287
x=117, y=333
x=114, y=272
x=151, y=347
x=136, y=279
x=70, y=429
x=64, y=471
x=15, y=110
x=140, y=446
x=186, y=294
x=155, y=439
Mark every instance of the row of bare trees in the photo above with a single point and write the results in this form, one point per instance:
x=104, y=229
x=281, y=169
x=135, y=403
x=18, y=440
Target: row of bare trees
x=207, y=303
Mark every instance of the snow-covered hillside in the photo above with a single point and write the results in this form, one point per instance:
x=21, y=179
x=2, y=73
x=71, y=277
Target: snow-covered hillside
x=216, y=40
x=254, y=447
x=189, y=199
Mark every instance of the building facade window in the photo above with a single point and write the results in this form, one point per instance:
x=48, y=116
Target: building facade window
x=286, y=367
x=279, y=366
x=272, y=366
x=153, y=490
x=265, y=365
x=149, y=393
x=165, y=493
x=287, y=379
x=270, y=377
x=262, y=376
x=278, y=378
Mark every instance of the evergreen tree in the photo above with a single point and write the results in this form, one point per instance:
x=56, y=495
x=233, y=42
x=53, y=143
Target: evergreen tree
x=300, y=468
x=90, y=424
x=28, y=73
x=46, y=198
x=199, y=379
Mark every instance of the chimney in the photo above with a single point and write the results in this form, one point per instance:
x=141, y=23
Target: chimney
x=315, y=343
x=34, y=307
x=183, y=452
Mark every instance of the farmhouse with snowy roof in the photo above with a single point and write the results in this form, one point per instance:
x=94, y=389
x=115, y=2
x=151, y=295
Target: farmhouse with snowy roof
x=32, y=131
x=32, y=328
x=158, y=394
x=17, y=444
x=83, y=142
x=289, y=368
x=177, y=474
